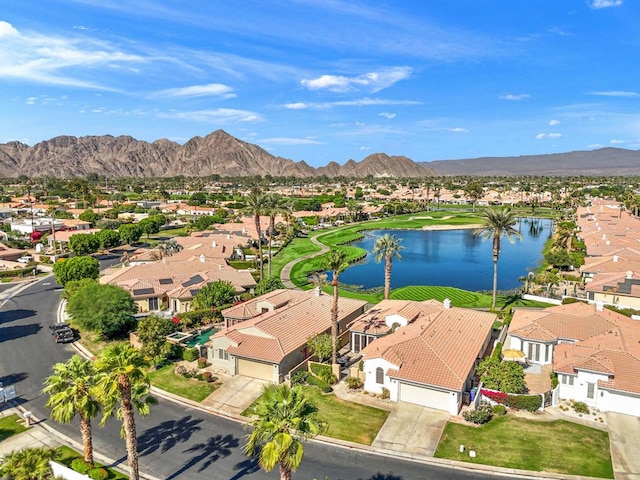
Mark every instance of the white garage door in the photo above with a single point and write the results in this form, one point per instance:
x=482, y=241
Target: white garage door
x=424, y=396
x=249, y=368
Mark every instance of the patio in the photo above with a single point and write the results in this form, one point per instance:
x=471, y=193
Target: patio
x=538, y=377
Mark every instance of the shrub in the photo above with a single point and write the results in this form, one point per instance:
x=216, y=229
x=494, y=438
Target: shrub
x=530, y=403
x=98, y=474
x=299, y=378
x=385, y=392
x=80, y=465
x=45, y=259
x=580, y=407
x=353, y=383
x=200, y=377
x=320, y=370
x=321, y=384
x=499, y=410
x=554, y=379
x=207, y=377
x=202, y=362
x=480, y=415
x=190, y=354
x=180, y=370
x=332, y=380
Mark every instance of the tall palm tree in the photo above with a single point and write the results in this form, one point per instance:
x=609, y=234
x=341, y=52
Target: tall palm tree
x=28, y=464
x=495, y=225
x=273, y=206
x=387, y=247
x=122, y=387
x=283, y=417
x=256, y=205
x=336, y=262
x=71, y=394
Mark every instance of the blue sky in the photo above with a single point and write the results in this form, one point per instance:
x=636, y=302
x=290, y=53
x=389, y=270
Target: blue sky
x=327, y=80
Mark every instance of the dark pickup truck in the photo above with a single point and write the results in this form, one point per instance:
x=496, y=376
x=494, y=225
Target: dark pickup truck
x=62, y=332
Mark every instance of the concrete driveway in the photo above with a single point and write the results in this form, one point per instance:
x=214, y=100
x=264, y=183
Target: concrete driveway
x=624, y=435
x=412, y=429
x=235, y=394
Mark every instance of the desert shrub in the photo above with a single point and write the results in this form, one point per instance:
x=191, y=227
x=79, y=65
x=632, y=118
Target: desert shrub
x=190, y=354
x=353, y=383
x=180, y=370
x=321, y=384
x=480, y=415
x=499, y=410
x=299, y=378
x=98, y=474
x=202, y=362
x=385, y=392
x=580, y=407
x=207, y=377
x=80, y=465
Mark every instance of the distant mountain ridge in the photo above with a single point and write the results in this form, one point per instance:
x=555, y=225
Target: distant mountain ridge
x=603, y=161
x=222, y=154
x=217, y=153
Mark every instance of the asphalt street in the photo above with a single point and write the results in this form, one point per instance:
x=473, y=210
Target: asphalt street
x=174, y=441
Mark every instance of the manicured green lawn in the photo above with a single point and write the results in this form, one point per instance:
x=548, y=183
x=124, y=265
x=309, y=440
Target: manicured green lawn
x=10, y=425
x=68, y=455
x=510, y=442
x=460, y=298
x=348, y=421
x=195, y=390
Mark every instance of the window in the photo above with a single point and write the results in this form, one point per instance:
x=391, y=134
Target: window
x=222, y=354
x=570, y=380
x=564, y=379
x=153, y=304
x=356, y=343
x=380, y=375
x=591, y=390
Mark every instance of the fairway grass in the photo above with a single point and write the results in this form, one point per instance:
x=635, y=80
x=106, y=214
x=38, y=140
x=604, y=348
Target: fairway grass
x=510, y=442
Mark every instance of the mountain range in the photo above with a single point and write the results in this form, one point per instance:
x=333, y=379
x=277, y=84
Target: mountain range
x=222, y=154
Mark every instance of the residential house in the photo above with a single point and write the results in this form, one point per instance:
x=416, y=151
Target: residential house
x=268, y=302
x=594, y=351
x=621, y=289
x=270, y=344
x=430, y=352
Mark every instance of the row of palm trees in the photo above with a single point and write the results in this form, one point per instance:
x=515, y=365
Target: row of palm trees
x=116, y=384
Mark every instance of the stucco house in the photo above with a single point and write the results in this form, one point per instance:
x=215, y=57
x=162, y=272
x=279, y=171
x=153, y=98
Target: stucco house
x=594, y=351
x=430, y=353
x=621, y=289
x=269, y=302
x=270, y=344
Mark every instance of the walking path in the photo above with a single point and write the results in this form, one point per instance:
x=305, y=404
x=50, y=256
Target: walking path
x=285, y=274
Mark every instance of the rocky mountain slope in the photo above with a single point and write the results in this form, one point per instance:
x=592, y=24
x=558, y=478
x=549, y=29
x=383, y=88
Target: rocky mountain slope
x=217, y=153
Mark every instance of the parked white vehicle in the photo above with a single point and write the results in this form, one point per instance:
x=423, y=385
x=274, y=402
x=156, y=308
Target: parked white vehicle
x=26, y=259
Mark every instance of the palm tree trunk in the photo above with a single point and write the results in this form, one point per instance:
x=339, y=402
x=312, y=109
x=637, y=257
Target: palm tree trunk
x=271, y=222
x=285, y=473
x=334, y=320
x=387, y=277
x=256, y=218
x=129, y=425
x=87, y=440
x=496, y=255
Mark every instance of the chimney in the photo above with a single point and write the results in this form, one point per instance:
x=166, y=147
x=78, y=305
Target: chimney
x=615, y=258
x=599, y=306
x=228, y=236
x=214, y=244
x=447, y=303
x=317, y=291
x=604, y=236
x=220, y=267
x=629, y=275
x=202, y=258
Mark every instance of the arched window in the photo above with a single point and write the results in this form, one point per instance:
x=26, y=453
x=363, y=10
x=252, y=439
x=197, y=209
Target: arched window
x=380, y=376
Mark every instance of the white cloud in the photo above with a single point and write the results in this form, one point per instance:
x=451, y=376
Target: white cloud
x=597, y=4
x=387, y=115
x=595, y=145
x=553, y=123
x=372, y=82
x=31, y=100
x=458, y=130
x=214, y=89
x=617, y=142
x=290, y=141
x=365, y=149
x=219, y=115
x=296, y=106
x=510, y=96
x=540, y=136
x=616, y=93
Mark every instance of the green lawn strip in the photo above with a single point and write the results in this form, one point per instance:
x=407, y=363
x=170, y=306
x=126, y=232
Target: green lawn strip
x=10, y=425
x=68, y=455
x=299, y=247
x=510, y=442
x=349, y=421
x=195, y=390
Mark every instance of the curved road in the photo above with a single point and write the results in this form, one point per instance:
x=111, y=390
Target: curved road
x=175, y=441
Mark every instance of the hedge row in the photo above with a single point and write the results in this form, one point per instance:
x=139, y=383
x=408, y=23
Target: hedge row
x=530, y=403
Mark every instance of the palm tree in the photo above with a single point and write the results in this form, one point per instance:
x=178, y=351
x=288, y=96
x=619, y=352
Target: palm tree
x=336, y=262
x=387, y=247
x=283, y=417
x=71, y=394
x=563, y=236
x=273, y=206
x=122, y=387
x=496, y=224
x=256, y=206
x=28, y=464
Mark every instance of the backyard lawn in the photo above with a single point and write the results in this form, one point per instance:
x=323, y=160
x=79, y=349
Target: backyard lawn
x=195, y=390
x=10, y=425
x=510, y=442
x=348, y=421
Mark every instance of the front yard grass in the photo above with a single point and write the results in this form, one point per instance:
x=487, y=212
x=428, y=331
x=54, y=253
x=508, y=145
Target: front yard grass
x=349, y=421
x=195, y=390
x=10, y=425
x=68, y=455
x=510, y=442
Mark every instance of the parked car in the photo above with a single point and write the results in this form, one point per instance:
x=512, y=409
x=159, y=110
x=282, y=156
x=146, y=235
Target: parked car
x=64, y=335
x=58, y=326
x=26, y=259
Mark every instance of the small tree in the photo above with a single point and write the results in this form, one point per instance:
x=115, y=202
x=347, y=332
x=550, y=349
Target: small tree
x=152, y=332
x=76, y=268
x=108, y=238
x=28, y=464
x=321, y=346
x=216, y=294
x=505, y=377
x=84, y=243
x=267, y=285
x=130, y=233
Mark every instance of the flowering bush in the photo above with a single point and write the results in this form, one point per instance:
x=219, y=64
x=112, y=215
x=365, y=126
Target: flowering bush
x=480, y=415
